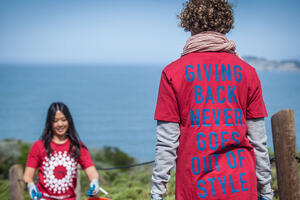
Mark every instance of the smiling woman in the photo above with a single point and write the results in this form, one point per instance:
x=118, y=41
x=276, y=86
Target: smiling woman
x=60, y=126
x=57, y=156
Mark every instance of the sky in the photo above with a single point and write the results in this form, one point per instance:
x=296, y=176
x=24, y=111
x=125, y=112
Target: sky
x=135, y=31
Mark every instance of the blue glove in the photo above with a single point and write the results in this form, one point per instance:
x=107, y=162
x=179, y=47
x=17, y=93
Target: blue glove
x=261, y=198
x=156, y=197
x=34, y=192
x=94, y=188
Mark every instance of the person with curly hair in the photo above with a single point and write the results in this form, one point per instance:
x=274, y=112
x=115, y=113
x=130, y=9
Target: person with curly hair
x=210, y=115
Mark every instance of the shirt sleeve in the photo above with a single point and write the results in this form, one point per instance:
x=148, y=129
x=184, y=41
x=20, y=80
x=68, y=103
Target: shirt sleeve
x=33, y=159
x=258, y=139
x=167, y=134
x=85, y=158
x=166, y=107
x=255, y=105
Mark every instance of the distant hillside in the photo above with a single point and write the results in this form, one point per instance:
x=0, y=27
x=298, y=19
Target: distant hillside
x=269, y=65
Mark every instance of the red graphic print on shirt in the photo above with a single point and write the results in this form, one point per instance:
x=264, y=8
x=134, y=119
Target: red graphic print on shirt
x=60, y=170
x=57, y=172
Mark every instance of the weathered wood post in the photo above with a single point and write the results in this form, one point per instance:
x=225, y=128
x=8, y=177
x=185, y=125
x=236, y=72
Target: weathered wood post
x=284, y=139
x=16, y=182
x=78, y=187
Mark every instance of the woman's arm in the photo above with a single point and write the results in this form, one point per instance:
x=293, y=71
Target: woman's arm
x=28, y=175
x=28, y=179
x=91, y=173
x=93, y=176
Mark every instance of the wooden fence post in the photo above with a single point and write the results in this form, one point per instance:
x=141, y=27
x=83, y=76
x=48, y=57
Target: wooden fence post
x=284, y=139
x=78, y=187
x=16, y=182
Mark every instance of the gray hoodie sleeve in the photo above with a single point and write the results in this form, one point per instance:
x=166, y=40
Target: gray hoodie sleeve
x=258, y=139
x=167, y=134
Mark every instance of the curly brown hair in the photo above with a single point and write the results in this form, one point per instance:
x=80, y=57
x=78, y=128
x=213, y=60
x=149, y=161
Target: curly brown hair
x=206, y=15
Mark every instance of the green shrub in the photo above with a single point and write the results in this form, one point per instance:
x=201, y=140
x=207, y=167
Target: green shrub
x=133, y=183
x=9, y=155
x=114, y=156
x=24, y=150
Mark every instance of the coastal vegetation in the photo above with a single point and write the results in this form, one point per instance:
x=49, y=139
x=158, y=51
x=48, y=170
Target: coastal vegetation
x=130, y=184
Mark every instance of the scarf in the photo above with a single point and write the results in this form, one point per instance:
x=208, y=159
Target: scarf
x=209, y=41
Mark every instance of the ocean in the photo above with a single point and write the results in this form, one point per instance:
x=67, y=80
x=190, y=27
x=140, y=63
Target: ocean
x=110, y=105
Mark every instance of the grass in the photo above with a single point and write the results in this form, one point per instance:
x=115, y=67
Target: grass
x=130, y=184
x=4, y=189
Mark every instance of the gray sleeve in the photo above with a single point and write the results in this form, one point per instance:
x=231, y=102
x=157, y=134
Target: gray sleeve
x=167, y=134
x=258, y=139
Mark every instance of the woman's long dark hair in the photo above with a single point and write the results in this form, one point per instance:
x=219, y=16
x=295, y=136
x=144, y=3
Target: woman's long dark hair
x=47, y=135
